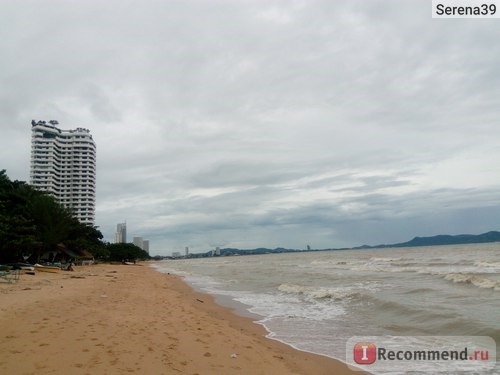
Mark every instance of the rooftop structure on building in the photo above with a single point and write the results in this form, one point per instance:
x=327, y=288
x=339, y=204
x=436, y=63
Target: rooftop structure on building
x=63, y=163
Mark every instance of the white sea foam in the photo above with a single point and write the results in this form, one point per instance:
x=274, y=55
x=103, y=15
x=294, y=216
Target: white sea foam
x=477, y=280
x=319, y=292
x=268, y=305
x=274, y=306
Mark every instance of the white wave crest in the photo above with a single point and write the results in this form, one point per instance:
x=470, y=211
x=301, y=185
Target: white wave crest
x=319, y=293
x=477, y=280
x=292, y=288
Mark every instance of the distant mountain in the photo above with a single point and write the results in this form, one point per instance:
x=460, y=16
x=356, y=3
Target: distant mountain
x=444, y=239
x=260, y=250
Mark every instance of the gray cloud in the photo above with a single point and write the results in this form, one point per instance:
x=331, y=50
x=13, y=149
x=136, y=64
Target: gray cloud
x=263, y=123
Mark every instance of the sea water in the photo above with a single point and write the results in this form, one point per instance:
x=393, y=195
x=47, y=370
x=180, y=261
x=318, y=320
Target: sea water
x=315, y=301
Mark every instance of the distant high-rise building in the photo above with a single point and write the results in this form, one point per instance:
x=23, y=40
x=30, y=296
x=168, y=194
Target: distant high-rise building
x=145, y=246
x=121, y=233
x=186, y=250
x=138, y=241
x=63, y=163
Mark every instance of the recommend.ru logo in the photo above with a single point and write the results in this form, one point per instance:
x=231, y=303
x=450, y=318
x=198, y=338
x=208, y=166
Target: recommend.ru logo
x=421, y=353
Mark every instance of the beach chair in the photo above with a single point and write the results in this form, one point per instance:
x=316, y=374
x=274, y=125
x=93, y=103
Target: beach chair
x=11, y=276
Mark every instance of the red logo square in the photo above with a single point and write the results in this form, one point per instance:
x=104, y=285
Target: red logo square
x=365, y=353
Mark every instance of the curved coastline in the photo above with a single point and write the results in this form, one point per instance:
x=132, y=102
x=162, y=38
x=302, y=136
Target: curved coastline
x=134, y=319
x=243, y=315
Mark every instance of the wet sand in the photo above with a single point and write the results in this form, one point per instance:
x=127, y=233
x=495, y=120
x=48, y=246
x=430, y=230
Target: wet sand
x=117, y=319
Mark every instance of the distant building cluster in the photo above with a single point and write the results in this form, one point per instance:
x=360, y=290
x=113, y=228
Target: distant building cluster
x=121, y=237
x=178, y=254
x=142, y=243
x=216, y=252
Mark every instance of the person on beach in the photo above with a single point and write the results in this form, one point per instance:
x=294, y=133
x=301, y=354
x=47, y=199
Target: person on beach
x=70, y=266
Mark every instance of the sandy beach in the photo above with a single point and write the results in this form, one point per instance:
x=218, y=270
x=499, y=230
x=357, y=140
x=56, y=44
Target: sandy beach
x=114, y=319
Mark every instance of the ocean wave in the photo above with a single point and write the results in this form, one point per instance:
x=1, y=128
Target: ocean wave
x=495, y=265
x=419, y=290
x=474, y=279
x=377, y=259
x=405, y=264
x=319, y=293
x=416, y=317
x=399, y=308
x=322, y=262
x=288, y=306
x=329, y=264
x=395, y=265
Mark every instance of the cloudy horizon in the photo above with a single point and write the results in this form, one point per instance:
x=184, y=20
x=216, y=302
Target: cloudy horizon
x=264, y=124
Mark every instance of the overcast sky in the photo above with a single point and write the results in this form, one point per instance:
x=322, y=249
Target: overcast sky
x=264, y=123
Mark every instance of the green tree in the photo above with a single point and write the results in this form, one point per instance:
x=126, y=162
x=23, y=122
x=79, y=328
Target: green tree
x=32, y=222
x=86, y=237
x=126, y=251
x=17, y=229
x=52, y=222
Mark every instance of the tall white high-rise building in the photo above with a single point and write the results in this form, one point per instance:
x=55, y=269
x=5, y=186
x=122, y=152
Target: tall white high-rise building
x=121, y=233
x=63, y=163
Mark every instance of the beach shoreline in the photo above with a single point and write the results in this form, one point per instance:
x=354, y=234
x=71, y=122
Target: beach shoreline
x=134, y=319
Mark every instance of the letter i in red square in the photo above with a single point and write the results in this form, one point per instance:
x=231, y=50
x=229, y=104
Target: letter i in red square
x=365, y=353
